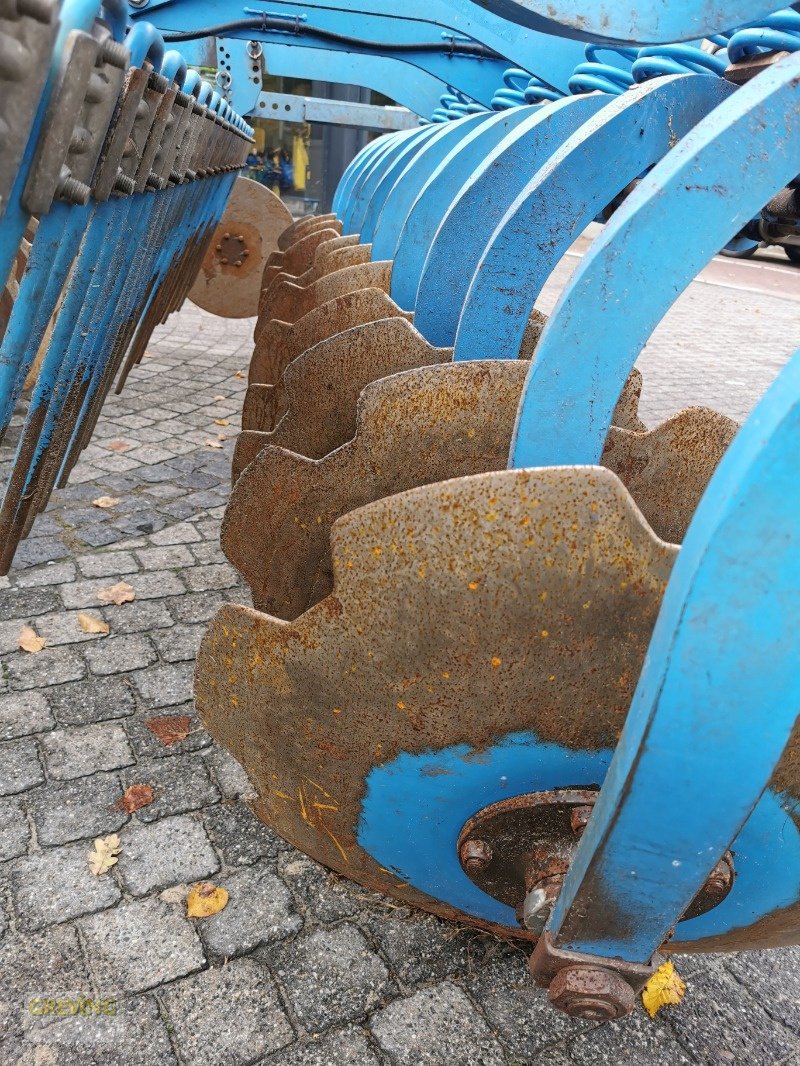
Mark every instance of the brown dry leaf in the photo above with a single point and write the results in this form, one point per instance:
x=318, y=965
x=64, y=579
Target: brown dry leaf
x=118, y=446
x=105, y=502
x=104, y=856
x=664, y=987
x=135, y=797
x=221, y=422
x=205, y=899
x=169, y=728
x=29, y=640
x=239, y=374
x=92, y=625
x=213, y=444
x=120, y=593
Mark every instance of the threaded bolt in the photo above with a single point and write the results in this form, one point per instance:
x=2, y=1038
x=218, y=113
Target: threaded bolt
x=72, y=190
x=124, y=184
x=114, y=53
x=475, y=855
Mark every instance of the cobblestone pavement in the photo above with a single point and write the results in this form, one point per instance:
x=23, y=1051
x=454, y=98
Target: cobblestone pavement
x=300, y=967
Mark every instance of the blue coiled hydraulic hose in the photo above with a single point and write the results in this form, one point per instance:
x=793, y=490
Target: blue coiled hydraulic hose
x=775, y=33
x=594, y=75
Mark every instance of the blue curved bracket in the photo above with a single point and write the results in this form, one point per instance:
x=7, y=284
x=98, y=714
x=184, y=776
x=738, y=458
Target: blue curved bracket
x=596, y=163
x=437, y=195
x=481, y=203
x=387, y=211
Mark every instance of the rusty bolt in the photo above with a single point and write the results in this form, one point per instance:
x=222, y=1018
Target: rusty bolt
x=475, y=855
x=227, y=236
x=238, y=263
x=240, y=239
x=591, y=992
x=721, y=877
x=224, y=260
x=219, y=247
x=246, y=252
x=579, y=818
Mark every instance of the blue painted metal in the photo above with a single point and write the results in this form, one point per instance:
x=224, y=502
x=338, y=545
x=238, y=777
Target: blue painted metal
x=593, y=166
x=645, y=22
x=409, y=248
x=480, y=204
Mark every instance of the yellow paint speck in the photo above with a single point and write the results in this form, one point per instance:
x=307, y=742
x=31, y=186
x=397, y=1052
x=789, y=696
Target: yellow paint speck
x=545, y=633
x=400, y=705
x=473, y=585
x=337, y=710
x=377, y=551
x=496, y=661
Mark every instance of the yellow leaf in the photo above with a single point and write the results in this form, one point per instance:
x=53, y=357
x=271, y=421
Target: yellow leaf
x=664, y=987
x=213, y=444
x=92, y=625
x=239, y=374
x=205, y=899
x=221, y=422
x=30, y=641
x=120, y=593
x=105, y=502
x=104, y=856
x=220, y=397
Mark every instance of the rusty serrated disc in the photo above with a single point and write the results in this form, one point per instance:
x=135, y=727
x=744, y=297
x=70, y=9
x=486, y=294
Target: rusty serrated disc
x=258, y=217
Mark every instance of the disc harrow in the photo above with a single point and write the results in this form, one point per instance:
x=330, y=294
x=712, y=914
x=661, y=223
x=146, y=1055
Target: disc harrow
x=514, y=657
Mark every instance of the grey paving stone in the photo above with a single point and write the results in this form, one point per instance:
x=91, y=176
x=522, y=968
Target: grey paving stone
x=165, y=557
x=51, y=574
x=636, y=1040
x=20, y=768
x=56, y=885
x=240, y=837
x=773, y=978
x=35, y=966
x=214, y=576
x=52, y=666
x=64, y=628
x=77, y=810
x=140, y=616
x=164, y=853
x=179, y=644
x=23, y=713
x=84, y=750
x=165, y=686
x=156, y=584
x=139, y=945
x=331, y=976
x=718, y=1019
x=436, y=1025
x=84, y=702
x=517, y=1010
x=419, y=947
x=180, y=784
x=339, y=1047
x=229, y=774
x=184, y=533
x=134, y=1035
x=147, y=746
x=197, y=607
x=14, y=829
x=318, y=890
x=118, y=654
x=27, y=603
x=207, y=552
x=227, y=1016
x=97, y=535
x=259, y=911
x=107, y=564
x=38, y=550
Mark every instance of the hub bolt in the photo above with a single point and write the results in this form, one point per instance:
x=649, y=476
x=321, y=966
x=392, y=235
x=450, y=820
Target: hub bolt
x=591, y=992
x=475, y=855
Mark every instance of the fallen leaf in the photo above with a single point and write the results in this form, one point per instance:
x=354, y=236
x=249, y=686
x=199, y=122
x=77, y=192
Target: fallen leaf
x=118, y=446
x=664, y=987
x=169, y=728
x=221, y=422
x=239, y=374
x=135, y=797
x=176, y=894
x=213, y=444
x=105, y=502
x=92, y=625
x=104, y=856
x=220, y=397
x=205, y=899
x=120, y=593
x=30, y=641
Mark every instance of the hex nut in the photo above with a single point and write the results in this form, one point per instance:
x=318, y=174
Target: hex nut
x=591, y=992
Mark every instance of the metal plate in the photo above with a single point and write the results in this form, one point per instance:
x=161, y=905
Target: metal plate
x=290, y=301
x=511, y=608
x=275, y=265
x=298, y=229
x=330, y=256
x=258, y=215
x=297, y=259
x=278, y=343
